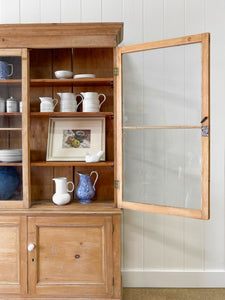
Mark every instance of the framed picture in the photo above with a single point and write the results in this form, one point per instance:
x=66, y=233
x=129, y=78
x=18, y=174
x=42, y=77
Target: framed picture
x=69, y=139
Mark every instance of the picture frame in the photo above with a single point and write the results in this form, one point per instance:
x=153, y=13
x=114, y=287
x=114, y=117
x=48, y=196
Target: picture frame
x=69, y=139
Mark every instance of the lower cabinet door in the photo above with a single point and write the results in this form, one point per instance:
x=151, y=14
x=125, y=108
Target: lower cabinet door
x=13, y=255
x=70, y=255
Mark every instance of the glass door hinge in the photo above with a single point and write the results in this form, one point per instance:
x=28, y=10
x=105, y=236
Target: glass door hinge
x=205, y=131
x=116, y=184
x=116, y=71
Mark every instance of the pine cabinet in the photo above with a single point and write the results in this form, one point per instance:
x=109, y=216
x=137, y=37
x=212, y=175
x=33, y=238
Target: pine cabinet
x=73, y=250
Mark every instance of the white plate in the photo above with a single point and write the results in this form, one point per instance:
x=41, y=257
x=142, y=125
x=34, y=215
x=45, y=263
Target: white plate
x=15, y=158
x=11, y=152
x=84, y=76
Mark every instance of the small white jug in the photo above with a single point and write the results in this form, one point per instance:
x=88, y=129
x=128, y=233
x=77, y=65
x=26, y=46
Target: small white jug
x=62, y=196
x=47, y=104
x=92, y=102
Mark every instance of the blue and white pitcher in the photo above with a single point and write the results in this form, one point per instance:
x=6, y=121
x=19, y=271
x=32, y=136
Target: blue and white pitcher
x=85, y=190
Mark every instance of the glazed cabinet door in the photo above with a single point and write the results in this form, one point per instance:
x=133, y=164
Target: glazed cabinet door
x=163, y=120
x=70, y=255
x=14, y=154
x=13, y=262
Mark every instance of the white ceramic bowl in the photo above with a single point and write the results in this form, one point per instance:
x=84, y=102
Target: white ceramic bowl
x=63, y=74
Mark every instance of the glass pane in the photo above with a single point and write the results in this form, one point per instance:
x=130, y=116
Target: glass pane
x=162, y=167
x=10, y=129
x=162, y=87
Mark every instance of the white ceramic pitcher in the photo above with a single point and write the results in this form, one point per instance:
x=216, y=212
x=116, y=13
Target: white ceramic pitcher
x=68, y=102
x=47, y=104
x=91, y=102
x=62, y=196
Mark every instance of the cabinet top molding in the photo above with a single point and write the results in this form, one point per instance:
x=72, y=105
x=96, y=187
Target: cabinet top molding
x=61, y=35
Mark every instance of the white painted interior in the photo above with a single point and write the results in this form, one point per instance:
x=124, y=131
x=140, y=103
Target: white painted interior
x=160, y=251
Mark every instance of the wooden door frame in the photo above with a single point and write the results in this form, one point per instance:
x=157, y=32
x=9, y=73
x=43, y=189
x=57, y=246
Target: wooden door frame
x=204, y=213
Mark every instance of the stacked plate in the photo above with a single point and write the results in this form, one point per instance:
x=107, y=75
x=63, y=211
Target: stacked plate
x=11, y=155
x=84, y=76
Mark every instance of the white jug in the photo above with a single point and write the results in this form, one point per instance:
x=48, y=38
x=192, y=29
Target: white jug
x=68, y=102
x=47, y=104
x=92, y=102
x=62, y=196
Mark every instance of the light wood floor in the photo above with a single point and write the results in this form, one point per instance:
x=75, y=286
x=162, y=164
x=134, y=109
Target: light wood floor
x=173, y=294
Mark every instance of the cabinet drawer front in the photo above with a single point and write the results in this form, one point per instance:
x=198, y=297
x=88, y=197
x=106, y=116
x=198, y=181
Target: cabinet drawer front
x=12, y=255
x=71, y=256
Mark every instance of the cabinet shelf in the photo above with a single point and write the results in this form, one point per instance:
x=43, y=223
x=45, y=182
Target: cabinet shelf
x=75, y=82
x=10, y=82
x=74, y=205
x=71, y=114
x=72, y=163
x=11, y=114
x=14, y=164
x=10, y=129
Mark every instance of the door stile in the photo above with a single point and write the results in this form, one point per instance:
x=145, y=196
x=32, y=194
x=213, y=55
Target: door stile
x=118, y=130
x=206, y=139
x=25, y=128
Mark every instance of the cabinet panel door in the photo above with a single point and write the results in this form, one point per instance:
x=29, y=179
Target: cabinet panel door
x=13, y=267
x=163, y=126
x=71, y=256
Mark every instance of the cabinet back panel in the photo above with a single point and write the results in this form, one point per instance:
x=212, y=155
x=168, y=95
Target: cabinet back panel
x=12, y=139
x=62, y=60
x=38, y=138
x=98, y=61
x=41, y=63
x=41, y=183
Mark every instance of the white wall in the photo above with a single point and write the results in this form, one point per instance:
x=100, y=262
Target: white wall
x=160, y=251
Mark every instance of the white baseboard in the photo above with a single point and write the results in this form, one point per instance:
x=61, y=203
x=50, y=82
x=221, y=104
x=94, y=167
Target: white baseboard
x=174, y=279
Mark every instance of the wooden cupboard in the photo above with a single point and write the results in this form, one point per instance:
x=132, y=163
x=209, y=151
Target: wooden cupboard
x=73, y=251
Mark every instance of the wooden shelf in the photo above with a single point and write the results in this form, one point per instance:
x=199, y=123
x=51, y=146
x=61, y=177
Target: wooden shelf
x=73, y=205
x=71, y=114
x=5, y=114
x=71, y=163
x=14, y=164
x=9, y=128
x=74, y=82
x=10, y=81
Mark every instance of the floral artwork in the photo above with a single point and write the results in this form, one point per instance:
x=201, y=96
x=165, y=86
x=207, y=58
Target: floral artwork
x=76, y=138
